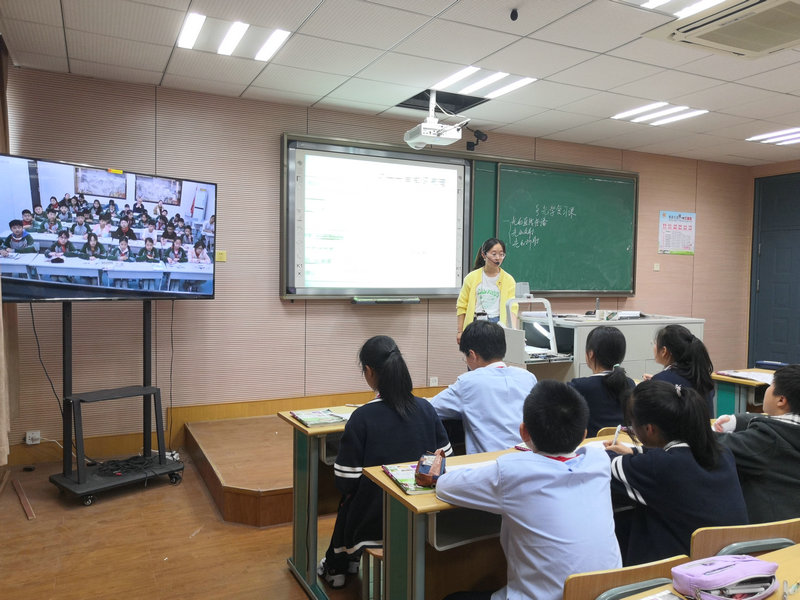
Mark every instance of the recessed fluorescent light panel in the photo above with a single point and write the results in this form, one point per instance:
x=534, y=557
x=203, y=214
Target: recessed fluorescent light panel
x=653, y=113
x=779, y=138
x=270, y=47
x=511, y=87
x=482, y=83
x=191, y=29
x=677, y=8
x=232, y=38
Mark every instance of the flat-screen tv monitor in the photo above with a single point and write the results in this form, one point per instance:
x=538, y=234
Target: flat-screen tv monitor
x=367, y=222
x=79, y=232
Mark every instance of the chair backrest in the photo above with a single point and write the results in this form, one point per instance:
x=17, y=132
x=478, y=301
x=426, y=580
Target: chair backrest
x=588, y=586
x=709, y=541
x=606, y=431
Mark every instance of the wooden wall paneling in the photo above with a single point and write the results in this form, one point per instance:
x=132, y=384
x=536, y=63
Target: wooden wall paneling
x=578, y=154
x=445, y=361
x=792, y=166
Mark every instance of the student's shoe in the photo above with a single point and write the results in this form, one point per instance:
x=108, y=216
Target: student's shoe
x=352, y=567
x=335, y=580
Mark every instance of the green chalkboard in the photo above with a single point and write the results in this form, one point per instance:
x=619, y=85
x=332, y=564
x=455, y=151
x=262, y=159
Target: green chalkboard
x=568, y=231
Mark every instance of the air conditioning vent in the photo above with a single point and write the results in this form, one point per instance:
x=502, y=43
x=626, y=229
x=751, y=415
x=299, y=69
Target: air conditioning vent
x=745, y=28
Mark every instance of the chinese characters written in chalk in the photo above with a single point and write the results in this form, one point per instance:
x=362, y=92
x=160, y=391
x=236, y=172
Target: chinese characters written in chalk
x=522, y=230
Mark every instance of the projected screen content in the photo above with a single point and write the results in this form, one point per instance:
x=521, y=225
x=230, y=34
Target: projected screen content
x=72, y=232
x=375, y=223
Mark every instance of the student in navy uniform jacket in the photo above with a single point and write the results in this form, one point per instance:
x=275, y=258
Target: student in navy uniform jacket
x=607, y=389
x=767, y=450
x=686, y=362
x=394, y=427
x=680, y=479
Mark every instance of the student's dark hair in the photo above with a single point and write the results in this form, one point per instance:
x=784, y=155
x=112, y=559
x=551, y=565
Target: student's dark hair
x=63, y=232
x=200, y=244
x=485, y=338
x=786, y=382
x=26, y=210
x=680, y=413
x=689, y=356
x=480, y=261
x=91, y=235
x=149, y=239
x=51, y=210
x=608, y=347
x=105, y=217
x=555, y=416
x=381, y=354
x=13, y=222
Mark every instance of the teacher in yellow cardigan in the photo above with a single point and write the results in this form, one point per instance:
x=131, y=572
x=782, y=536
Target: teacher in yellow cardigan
x=486, y=288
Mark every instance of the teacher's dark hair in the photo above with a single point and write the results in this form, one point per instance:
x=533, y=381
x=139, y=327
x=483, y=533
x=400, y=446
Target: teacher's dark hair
x=480, y=261
x=689, y=355
x=381, y=354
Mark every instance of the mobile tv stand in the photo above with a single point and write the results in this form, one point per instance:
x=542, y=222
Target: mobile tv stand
x=88, y=480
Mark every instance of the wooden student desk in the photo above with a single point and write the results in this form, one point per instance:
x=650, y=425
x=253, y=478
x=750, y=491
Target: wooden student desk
x=306, y=458
x=733, y=394
x=788, y=560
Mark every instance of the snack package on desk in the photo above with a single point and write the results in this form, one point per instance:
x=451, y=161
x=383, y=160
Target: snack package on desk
x=429, y=468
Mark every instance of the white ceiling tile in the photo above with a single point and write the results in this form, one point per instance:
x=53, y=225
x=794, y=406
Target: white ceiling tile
x=682, y=143
x=114, y=51
x=767, y=108
x=782, y=79
x=353, y=106
x=601, y=26
x=33, y=38
x=454, y=42
x=548, y=94
x=361, y=23
x=409, y=70
x=658, y=52
x=792, y=119
x=605, y=104
x=124, y=19
x=711, y=121
x=213, y=67
x=645, y=135
x=305, y=52
x=724, y=96
x=503, y=112
x=423, y=7
x=279, y=96
x=373, y=92
x=172, y=4
x=588, y=133
x=531, y=14
x=114, y=72
x=42, y=62
x=207, y=86
x=298, y=81
x=605, y=73
x=545, y=123
x=746, y=129
x=272, y=14
x=731, y=68
x=46, y=12
x=666, y=85
x=534, y=58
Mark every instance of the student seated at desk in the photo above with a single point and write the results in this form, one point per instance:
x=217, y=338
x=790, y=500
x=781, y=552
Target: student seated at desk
x=679, y=480
x=175, y=254
x=767, y=450
x=149, y=253
x=686, y=362
x=395, y=427
x=51, y=224
x=102, y=228
x=61, y=247
x=121, y=253
x=488, y=398
x=18, y=241
x=605, y=391
x=93, y=249
x=81, y=229
x=555, y=501
x=124, y=230
x=28, y=224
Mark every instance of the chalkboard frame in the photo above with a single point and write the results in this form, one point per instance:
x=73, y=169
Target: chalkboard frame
x=628, y=177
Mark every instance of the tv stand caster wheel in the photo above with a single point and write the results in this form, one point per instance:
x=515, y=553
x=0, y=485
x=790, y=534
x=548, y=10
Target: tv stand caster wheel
x=88, y=500
x=175, y=478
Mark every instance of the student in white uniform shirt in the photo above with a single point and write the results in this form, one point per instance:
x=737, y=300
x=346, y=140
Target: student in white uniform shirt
x=555, y=502
x=489, y=397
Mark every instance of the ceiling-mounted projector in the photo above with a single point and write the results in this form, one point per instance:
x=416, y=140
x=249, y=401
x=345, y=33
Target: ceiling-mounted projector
x=430, y=131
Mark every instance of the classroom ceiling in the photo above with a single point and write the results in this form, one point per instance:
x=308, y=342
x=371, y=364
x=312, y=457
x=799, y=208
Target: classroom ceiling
x=591, y=60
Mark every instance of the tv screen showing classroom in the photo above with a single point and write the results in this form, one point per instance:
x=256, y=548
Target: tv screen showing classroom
x=63, y=207
x=375, y=223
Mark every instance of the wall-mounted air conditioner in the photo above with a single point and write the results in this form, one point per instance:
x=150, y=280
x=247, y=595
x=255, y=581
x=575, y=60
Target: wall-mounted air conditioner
x=746, y=28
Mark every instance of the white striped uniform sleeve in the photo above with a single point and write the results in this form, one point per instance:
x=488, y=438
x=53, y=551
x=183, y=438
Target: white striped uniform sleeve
x=618, y=473
x=347, y=472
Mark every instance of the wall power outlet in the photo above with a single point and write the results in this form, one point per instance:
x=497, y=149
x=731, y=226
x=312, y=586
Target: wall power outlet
x=33, y=437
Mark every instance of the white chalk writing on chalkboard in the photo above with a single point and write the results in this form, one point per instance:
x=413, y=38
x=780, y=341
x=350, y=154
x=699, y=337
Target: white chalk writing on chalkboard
x=522, y=229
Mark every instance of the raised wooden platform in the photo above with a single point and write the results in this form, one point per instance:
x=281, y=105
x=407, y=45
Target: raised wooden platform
x=247, y=466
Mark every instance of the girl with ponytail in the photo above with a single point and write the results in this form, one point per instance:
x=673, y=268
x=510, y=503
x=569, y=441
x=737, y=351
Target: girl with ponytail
x=678, y=480
x=608, y=388
x=395, y=427
x=686, y=361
